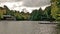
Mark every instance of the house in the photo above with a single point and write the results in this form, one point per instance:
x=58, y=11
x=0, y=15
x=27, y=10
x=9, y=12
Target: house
x=2, y=10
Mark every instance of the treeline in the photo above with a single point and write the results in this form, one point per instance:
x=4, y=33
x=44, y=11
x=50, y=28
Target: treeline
x=36, y=15
x=40, y=15
x=51, y=13
x=18, y=15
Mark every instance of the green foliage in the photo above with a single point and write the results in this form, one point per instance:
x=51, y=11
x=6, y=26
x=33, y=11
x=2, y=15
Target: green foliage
x=6, y=7
x=50, y=13
x=0, y=16
x=7, y=10
x=55, y=10
x=36, y=15
x=25, y=15
x=19, y=17
x=47, y=13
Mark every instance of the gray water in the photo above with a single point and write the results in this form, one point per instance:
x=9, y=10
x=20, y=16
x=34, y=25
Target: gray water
x=26, y=27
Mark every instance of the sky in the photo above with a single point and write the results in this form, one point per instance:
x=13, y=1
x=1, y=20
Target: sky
x=27, y=4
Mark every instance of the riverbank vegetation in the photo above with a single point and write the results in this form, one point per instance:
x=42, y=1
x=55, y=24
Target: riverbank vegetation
x=51, y=13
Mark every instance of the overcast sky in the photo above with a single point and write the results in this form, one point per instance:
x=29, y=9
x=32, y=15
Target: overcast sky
x=28, y=4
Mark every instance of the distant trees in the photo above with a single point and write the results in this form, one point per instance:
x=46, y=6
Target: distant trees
x=0, y=16
x=49, y=14
x=20, y=15
x=7, y=10
x=36, y=15
x=40, y=15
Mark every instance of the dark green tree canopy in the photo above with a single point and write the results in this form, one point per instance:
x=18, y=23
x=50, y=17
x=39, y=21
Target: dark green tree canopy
x=36, y=15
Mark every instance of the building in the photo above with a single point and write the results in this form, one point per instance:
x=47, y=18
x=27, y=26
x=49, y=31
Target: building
x=8, y=17
x=2, y=10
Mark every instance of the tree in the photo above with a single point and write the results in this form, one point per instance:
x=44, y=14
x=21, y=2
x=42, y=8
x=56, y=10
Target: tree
x=7, y=10
x=47, y=14
x=19, y=17
x=36, y=15
x=0, y=16
x=12, y=12
x=55, y=9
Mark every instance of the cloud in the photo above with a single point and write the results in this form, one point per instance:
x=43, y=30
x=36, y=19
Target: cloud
x=36, y=3
x=28, y=4
x=9, y=0
x=31, y=3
